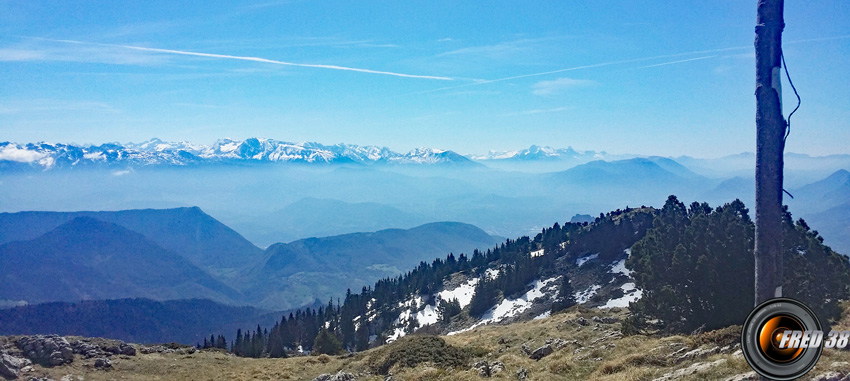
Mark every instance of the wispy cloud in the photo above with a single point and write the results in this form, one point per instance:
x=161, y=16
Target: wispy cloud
x=514, y=48
x=620, y=62
x=538, y=111
x=92, y=54
x=583, y=67
x=21, y=55
x=246, y=58
x=41, y=105
x=122, y=172
x=817, y=39
x=489, y=51
x=142, y=28
x=269, y=4
x=196, y=105
x=556, y=86
x=373, y=45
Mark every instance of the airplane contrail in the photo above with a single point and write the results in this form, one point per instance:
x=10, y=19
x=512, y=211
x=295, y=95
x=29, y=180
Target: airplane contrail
x=675, y=62
x=254, y=59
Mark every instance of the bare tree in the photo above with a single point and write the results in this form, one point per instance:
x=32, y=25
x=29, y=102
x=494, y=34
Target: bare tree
x=770, y=144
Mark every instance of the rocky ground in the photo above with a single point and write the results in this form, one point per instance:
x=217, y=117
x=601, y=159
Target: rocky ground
x=578, y=344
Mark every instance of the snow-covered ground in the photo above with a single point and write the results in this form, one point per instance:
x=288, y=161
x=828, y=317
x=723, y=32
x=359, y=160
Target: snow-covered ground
x=538, y=253
x=492, y=273
x=619, y=267
x=584, y=259
x=511, y=307
x=585, y=295
x=463, y=293
x=397, y=334
x=632, y=294
x=543, y=315
x=427, y=316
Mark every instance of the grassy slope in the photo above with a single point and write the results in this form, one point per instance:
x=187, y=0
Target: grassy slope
x=629, y=358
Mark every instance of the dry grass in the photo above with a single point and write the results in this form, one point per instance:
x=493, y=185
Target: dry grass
x=596, y=356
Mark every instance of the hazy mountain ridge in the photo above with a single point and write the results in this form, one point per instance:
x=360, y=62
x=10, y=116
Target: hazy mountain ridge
x=299, y=272
x=834, y=226
x=316, y=217
x=86, y=258
x=80, y=249
x=827, y=193
x=188, y=232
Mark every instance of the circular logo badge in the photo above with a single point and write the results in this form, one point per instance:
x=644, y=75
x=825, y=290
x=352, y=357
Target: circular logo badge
x=762, y=339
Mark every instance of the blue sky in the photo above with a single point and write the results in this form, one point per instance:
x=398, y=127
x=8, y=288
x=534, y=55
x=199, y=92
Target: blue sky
x=645, y=77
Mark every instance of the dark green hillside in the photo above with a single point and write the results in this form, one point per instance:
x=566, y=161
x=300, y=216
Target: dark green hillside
x=693, y=265
x=135, y=320
x=609, y=236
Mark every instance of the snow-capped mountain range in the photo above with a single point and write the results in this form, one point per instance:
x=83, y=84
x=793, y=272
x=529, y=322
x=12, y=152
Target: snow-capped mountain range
x=156, y=152
x=536, y=152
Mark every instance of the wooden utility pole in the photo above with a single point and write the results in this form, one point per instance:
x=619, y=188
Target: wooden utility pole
x=770, y=144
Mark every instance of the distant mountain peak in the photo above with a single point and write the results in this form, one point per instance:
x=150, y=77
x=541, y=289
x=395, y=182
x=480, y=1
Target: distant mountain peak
x=841, y=174
x=538, y=152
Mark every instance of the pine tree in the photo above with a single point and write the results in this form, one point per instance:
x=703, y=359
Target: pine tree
x=486, y=293
x=565, y=298
x=236, y=347
x=448, y=309
x=275, y=342
x=361, y=337
x=326, y=343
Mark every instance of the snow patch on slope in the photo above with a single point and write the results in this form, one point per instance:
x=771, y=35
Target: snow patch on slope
x=492, y=273
x=543, y=315
x=585, y=295
x=632, y=294
x=619, y=267
x=463, y=293
x=582, y=260
x=427, y=316
x=508, y=308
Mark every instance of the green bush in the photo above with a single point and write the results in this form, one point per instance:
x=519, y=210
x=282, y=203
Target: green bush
x=413, y=350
